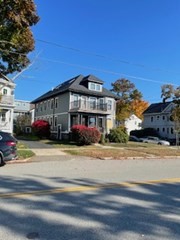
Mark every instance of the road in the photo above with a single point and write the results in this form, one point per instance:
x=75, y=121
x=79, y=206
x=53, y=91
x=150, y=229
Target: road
x=77, y=198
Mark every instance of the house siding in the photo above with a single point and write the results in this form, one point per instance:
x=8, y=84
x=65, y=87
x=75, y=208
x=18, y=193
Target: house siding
x=161, y=122
x=6, y=104
x=64, y=106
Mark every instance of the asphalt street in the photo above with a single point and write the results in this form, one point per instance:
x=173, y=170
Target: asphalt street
x=66, y=197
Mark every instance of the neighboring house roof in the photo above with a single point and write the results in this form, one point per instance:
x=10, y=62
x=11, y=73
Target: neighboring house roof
x=157, y=107
x=76, y=84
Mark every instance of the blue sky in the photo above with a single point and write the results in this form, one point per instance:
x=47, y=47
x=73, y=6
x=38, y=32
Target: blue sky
x=111, y=39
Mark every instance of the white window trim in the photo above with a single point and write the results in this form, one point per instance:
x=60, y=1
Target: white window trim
x=95, y=87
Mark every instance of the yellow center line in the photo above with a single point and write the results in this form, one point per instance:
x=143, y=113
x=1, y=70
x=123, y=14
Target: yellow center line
x=87, y=188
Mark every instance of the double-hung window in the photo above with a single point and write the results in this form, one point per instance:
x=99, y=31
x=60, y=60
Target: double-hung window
x=92, y=102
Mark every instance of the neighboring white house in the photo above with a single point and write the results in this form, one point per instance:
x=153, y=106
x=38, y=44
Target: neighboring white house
x=133, y=123
x=6, y=104
x=157, y=116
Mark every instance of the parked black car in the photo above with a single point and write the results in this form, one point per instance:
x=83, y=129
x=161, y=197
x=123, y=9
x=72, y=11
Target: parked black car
x=8, y=149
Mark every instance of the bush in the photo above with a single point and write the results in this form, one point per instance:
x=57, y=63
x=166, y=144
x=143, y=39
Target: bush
x=118, y=135
x=41, y=128
x=84, y=135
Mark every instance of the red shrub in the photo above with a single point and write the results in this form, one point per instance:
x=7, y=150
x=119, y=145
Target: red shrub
x=41, y=128
x=84, y=135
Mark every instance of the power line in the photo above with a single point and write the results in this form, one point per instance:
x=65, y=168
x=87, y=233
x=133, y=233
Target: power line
x=106, y=71
x=104, y=56
x=90, y=68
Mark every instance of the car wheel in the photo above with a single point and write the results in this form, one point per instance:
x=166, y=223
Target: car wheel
x=159, y=143
x=2, y=163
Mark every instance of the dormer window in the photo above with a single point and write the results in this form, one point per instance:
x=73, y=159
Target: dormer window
x=95, y=87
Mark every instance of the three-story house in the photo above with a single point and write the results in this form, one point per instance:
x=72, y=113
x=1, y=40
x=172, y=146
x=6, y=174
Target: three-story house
x=80, y=100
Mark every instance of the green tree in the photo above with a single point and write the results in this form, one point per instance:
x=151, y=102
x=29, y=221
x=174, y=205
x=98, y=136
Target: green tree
x=128, y=96
x=123, y=88
x=166, y=92
x=16, y=39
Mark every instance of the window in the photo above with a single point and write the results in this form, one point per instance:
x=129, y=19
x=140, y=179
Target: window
x=168, y=130
x=55, y=121
x=52, y=103
x=92, y=86
x=3, y=117
x=37, y=107
x=51, y=121
x=76, y=102
x=109, y=104
x=98, y=87
x=157, y=117
x=101, y=103
x=41, y=107
x=95, y=86
x=151, y=119
x=163, y=117
x=157, y=129
x=92, y=121
x=172, y=130
x=56, y=102
x=74, y=120
x=92, y=102
x=48, y=104
x=163, y=129
x=4, y=91
x=45, y=105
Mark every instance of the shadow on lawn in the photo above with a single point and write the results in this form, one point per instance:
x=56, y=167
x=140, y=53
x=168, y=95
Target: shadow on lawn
x=105, y=213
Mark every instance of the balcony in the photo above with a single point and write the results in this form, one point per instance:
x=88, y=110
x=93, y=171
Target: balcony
x=88, y=106
x=4, y=126
x=7, y=100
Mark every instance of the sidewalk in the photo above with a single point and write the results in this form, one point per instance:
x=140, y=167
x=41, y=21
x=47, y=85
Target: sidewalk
x=42, y=149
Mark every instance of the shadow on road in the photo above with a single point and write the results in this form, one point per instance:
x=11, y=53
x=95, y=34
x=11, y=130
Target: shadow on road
x=147, y=211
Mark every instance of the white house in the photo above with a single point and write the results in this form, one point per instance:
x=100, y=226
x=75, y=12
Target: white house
x=6, y=104
x=157, y=116
x=133, y=123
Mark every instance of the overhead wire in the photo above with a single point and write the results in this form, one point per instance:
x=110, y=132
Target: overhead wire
x=90, y=68
x=105, y=57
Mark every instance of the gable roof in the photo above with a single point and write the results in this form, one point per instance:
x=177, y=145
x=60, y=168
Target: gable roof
x=6, y=81
x=77, y=85
x=157, y=107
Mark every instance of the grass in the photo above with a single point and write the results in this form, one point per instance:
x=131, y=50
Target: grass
x=24, y=154
x=23, y=151
x=107, y=151
x=129, y=150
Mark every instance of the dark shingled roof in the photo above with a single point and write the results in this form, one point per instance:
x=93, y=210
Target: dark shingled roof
x=76, y=84
x=157, y=107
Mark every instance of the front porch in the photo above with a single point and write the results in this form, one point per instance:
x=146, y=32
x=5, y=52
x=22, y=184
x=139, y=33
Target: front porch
x=89, y=120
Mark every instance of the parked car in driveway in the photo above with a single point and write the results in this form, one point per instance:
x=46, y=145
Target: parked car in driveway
x=155, y=140
x=8, y=148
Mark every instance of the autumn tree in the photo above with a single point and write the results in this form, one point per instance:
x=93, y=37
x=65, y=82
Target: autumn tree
x=16, y=39
x=130, y=100
x=138, y=106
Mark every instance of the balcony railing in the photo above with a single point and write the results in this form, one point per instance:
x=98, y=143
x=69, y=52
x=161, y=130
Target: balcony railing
x=88, y=106
x=4, y=125
x=7, y=100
